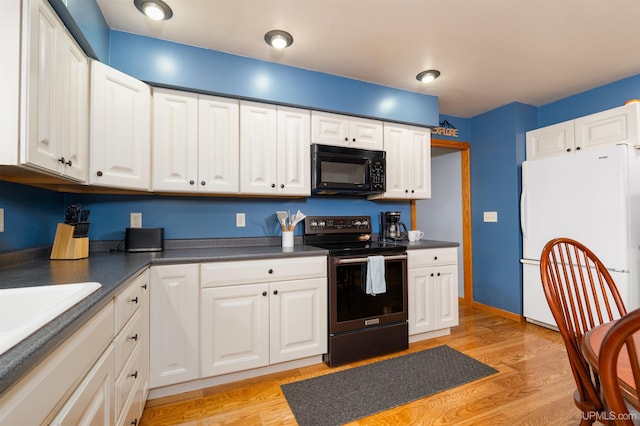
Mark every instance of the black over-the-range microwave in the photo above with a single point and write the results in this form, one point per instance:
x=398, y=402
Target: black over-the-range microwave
x=337, y=170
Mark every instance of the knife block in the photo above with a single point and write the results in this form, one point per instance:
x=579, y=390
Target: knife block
x=65, y=246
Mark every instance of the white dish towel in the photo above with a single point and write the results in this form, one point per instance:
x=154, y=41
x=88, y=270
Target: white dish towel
x=376, y=283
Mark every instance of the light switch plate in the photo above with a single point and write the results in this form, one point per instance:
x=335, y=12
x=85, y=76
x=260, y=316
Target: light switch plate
x=135, y=220
x=240, y=220
x=490, y=216
x=1, y=220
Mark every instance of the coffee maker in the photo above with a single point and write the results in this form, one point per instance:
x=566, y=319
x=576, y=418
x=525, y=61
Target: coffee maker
x=391, y=229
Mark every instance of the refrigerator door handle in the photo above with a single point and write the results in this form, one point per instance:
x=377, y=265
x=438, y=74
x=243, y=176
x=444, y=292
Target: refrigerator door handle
x=523, y=210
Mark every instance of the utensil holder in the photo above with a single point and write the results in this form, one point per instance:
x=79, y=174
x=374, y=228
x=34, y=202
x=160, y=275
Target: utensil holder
x=68, y=247
x=287, y=238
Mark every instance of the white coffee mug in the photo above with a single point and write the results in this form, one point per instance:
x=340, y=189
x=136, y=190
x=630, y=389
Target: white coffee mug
x=415, y=235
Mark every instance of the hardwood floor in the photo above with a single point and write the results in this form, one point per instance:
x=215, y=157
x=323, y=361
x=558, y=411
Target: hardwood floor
x=534, y=385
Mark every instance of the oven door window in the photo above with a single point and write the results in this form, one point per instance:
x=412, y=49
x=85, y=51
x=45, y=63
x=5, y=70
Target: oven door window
x=352, y=300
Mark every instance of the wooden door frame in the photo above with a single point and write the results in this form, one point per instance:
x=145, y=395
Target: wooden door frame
x=465, y=166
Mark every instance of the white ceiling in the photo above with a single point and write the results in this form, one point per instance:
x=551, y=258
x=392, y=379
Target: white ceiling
x=490, y=52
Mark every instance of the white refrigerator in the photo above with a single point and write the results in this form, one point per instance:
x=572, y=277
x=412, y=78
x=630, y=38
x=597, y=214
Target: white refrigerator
x=592, y=196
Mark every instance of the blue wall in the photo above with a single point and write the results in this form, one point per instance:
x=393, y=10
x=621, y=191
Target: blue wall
x=84, y=20
x=496, y=155
x=30, y=216
x=213, y=217
x=599, y=99
x=178, y=65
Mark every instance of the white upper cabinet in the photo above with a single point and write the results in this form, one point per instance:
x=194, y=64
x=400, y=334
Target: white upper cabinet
x=408, y=158
x=120, y=129
x=274, y=150
x=218, y=145
x=550, y=141
x=294, y=151
x=614, y=126
x=610, y=127
x=54, y=84
x=342, y=130
x=195, y=142
x=175, y=140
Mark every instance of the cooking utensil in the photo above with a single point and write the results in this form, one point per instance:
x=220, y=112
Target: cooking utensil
x=282, y=218
x=295, y=219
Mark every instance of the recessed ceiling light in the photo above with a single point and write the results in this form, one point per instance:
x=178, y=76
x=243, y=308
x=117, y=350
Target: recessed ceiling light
x=154, y=9
x=278, y=39
x=428, y=76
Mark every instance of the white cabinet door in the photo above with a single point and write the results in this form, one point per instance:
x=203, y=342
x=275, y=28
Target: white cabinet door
x=329, y=129
x=293, y=151
x=365, y=134
x=174, y=318
x=550, y=141
x=395, y=141
x=75, y=112
x=258, y=148
x=43, y=87
x=92, y=401
x=446, y=296
x=419, y=162
x=614, y=126
x=218, y=145
x=298, y=319
x=234, y=328
x=120, y=129
x=56, y=89
x=175, y=141
x=342, y=130
x=422, y=315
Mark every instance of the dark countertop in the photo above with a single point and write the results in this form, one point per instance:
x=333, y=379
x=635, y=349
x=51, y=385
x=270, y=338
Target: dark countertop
x=111, y=270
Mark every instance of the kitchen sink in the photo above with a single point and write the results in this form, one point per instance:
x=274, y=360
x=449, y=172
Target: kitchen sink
x=24, y=310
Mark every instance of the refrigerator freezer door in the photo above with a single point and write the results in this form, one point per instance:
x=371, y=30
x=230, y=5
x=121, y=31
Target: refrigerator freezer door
x=534, y=303
x=583, y=196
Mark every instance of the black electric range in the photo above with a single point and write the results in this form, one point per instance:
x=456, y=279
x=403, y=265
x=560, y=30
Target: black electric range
x=346, y=235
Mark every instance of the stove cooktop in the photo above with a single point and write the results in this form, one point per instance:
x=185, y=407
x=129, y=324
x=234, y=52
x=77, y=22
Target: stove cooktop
x=346, y=235
x=360, y=248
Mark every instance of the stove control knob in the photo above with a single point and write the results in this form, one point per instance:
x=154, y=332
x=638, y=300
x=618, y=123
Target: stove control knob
x=322, y=224
x=357, y=223
x=314, y=223
x=365, y=223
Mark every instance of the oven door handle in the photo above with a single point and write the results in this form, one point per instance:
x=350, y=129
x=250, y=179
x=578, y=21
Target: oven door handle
x=364, y=259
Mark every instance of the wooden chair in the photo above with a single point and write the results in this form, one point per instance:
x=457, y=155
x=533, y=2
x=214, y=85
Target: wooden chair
x=614, y=389
x=581, y=295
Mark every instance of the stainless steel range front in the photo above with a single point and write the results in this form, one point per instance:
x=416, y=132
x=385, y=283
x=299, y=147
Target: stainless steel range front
x=367, y=288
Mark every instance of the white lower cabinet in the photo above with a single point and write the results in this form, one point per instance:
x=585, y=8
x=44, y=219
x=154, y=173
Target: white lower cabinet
x=266, y=312
x=433, y=289
x=97, y=376
x=92, y=401
x=174, y=318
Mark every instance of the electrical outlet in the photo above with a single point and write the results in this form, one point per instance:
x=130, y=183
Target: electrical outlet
x=1, y=220
x=240, y=220
x=490, y=216
x=135, y=220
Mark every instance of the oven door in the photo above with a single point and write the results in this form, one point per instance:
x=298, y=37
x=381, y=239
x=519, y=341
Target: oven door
x=352, y=308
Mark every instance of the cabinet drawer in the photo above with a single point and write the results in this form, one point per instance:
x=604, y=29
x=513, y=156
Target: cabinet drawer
x=432, y=257
x=127, y=382
x=129, y=300
x=127, y=340
x=260, y=271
